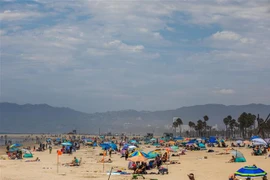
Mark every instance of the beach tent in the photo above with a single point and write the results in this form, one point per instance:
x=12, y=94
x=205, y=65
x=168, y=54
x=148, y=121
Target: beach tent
x=213, y=139
x=27, y=153
x=250, y=172
x=239, y=157
x=259, y=141
x=202, y=146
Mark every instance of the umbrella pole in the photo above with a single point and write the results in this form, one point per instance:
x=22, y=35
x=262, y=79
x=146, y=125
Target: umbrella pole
x=110, y=173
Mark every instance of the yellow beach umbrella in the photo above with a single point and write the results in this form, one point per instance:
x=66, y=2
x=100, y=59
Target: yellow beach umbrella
x=138, y=159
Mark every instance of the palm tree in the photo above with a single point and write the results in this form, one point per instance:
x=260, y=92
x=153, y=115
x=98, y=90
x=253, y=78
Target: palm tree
x=175, y=125
x=205, y=118
x=226, y=122
x=179, y=123
x=232, y=126
x=200, y=126
x=191, y=125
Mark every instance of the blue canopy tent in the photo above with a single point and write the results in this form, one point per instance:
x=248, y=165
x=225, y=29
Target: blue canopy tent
x=213, y=139
x=250, y=172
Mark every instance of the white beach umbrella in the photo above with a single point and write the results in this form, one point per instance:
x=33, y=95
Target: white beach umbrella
x=132, y=147
x=259, y=141
x=239, y=142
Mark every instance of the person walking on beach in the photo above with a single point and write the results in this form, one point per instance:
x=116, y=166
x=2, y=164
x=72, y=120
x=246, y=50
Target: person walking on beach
x=50, y=149
x=110, y=152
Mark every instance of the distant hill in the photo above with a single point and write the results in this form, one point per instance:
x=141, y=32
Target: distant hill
x=39, y=118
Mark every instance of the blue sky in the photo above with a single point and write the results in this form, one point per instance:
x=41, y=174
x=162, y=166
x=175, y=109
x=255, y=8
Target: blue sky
x=96, y=56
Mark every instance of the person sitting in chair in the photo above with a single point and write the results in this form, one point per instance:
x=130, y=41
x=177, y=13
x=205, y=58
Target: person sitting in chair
x=232, y=160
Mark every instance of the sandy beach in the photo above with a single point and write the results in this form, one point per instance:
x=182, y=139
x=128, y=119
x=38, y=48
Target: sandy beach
x=212, y=168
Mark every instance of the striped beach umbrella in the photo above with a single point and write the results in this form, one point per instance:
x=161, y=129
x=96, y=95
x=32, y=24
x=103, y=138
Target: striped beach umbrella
x=250, y=172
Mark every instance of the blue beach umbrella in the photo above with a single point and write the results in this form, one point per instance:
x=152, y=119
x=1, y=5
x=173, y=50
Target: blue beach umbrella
x=15, y=145
x=250, y=172
x=66, y=144
x=13, y=150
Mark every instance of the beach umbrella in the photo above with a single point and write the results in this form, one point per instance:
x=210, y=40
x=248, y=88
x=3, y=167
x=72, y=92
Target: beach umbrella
x=267, y=140
x=133, y=142
x=250, y=172
x=139, y=153
x=161, y=141
x=67, y=144
x=13, y=150
x=15, y=145
x=259, y=141
x=236, y=153
x=254, y=137
x=131, y=147
x=171, y=142
x=239, y=142
x=138, y=159
x=153, y=139
x=153, y=154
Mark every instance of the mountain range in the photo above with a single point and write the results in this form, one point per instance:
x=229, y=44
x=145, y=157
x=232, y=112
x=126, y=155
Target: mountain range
x=42, y=118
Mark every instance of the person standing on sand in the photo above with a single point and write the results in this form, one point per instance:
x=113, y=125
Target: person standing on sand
x=50, y=149
x=110, y=152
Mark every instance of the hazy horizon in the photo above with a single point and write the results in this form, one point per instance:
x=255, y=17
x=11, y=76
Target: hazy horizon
x=137, y=109
x=98, y=56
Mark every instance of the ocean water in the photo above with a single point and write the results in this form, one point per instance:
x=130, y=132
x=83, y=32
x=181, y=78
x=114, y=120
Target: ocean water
x=14, y=140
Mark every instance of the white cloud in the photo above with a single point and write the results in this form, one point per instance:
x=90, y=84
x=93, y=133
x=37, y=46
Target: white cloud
x=8, y=15
x=231, y=36
x=226, y=35
x=224, y=91
x=117, y=44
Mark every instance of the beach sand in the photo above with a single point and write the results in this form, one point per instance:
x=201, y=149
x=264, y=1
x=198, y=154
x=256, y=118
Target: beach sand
x=212, y=168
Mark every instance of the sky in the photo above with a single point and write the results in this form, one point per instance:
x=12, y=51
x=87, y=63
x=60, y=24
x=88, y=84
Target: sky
x=97, y=56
